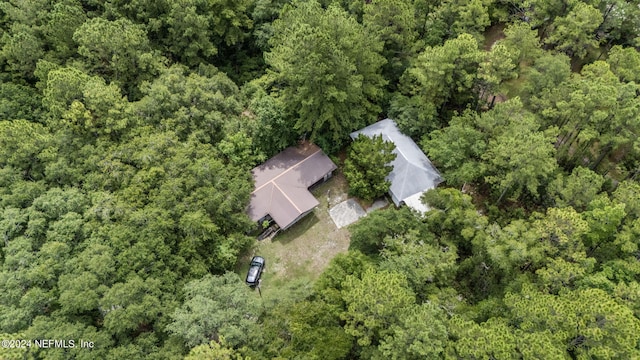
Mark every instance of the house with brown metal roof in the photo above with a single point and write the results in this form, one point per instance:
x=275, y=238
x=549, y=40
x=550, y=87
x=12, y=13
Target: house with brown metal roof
x=282, y=184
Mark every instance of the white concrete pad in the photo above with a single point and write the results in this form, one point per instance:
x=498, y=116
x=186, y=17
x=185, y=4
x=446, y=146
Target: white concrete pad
x=415, y=203
x=346, y=213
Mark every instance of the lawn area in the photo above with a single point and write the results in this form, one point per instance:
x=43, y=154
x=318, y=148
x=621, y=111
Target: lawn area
x=298, y=255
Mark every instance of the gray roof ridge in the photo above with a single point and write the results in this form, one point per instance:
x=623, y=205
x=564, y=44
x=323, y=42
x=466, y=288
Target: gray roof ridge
x=402, y=186
x=411, y=161
x=418, y=165
x=399, y=150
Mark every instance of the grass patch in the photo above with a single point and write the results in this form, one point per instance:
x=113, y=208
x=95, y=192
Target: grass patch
x=513, y=87
x=297, y=256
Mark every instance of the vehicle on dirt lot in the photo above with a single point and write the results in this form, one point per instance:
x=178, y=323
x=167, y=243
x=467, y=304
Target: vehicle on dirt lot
x=255, y=271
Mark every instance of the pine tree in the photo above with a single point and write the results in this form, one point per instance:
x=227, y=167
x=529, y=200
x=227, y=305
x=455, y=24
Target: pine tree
x=367, y=167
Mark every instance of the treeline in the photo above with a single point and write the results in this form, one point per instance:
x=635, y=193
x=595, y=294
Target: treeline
x=128, y=128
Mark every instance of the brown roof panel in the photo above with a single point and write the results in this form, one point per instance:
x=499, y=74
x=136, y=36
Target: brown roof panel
x=308, y=172
x=260, y=202
x=282, y=184
x=301, y=198
x=282, y=210
x=282, y=162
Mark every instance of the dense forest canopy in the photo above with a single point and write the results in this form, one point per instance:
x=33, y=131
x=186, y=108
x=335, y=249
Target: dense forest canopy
x=128, y=130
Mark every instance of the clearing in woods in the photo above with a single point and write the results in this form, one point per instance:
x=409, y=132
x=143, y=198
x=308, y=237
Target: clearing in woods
x=297, y=256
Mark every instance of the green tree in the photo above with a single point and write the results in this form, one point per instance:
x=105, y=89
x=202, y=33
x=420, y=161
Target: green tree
x=543, y=13
x=61, y=87
x=426, y=264
x=84, y=105
x=18, y=254
x=588, y=323
x=441, y=77
x=624, y=62
x=21, y=38
x=329, y=283
x=575, y=32
x=393, y=23
x=560, y=274
x=267, y=117
x=326, y=71
x=492, y=339
x=16, y=353
x=20, y=102
x=605, y=218
x=102, y=111
x=452, y=18
x=26, y=146
x=373, y=304
x=215, y=350
x=61, y=328
x=21, y=49
x=530, y=245
x=316, y=332
x=576, y=190
x=368, y=165
x=86, y=278
x=472, y=16
x=182, y=199
x=512, y=248
x=263, y=14
x=454, y=218
x=544, y=78
x=421, y=333
x=31, y=13
x=132, y=307
x=561, y=231
x=550, y=246
x=139, y=11
x=621, y=20
x=18, y=193
x=595, y=113
x=57, y=202
x=457, y=149
x=216, y=306
x=189, y=34
x=368, y=234
x=521, y=158
x=628, y=193
x=117, y=50
x=65, y=18
x=498, y=67
x=355, y=8
x=13, y=223
x=520, y=37
x=196, y=29
x=111, y=47
x=188, y=103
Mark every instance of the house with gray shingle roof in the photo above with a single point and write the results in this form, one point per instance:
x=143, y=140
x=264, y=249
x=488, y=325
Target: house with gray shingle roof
x=412, y=173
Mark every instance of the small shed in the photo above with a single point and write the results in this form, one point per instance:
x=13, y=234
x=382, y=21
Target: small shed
x=412, y=173
x=282, y=184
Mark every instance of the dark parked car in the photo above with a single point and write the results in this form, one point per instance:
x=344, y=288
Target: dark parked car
x=255, y=270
